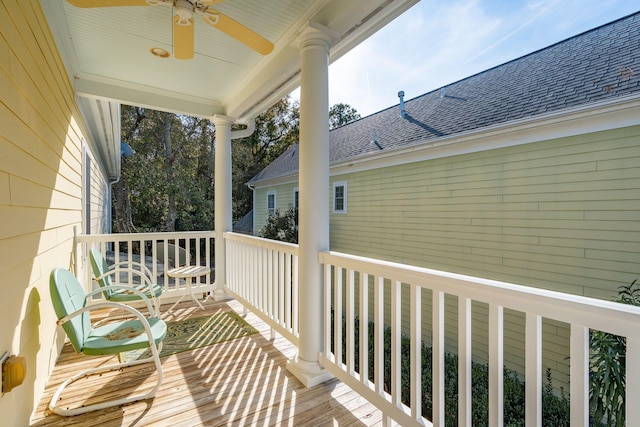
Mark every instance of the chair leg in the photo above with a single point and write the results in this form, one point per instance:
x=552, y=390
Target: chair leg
x=156, y=306
x=110, y=403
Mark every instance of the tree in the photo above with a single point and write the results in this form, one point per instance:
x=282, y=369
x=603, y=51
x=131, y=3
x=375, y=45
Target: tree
x=341, y=114
x=276, y=130
x=167, y=184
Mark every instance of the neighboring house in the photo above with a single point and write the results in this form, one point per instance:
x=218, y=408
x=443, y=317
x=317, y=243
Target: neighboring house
x=525, y=173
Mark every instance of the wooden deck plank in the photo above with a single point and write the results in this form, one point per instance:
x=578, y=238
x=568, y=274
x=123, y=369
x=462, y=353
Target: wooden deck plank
x=242, y=382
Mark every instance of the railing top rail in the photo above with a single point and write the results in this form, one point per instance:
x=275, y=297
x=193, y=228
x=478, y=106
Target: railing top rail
x=91, y=238
x=608, y=316
x=262, y=242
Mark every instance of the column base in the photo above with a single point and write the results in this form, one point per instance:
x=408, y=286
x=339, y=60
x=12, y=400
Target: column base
x=310, y=374
x=220, y=295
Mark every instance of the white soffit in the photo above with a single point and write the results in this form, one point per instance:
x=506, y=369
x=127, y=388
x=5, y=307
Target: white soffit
x=107, y=52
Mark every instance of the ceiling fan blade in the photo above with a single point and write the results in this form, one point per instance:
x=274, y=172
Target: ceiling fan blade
x=238, y=31
x=182, y=39
x=107, y=3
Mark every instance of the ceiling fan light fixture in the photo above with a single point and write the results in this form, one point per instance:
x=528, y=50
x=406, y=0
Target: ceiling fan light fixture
x=159, y=52
x=211, y=18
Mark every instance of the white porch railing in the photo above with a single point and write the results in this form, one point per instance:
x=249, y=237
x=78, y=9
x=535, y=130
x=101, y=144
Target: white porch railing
x=263, y=275
x=580, y=312
x=158, y=251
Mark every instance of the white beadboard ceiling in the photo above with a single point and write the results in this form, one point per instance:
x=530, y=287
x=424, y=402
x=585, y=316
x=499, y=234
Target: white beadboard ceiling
x=106, y=52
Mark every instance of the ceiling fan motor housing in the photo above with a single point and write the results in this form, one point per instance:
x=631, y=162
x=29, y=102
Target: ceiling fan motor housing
x=184, y=10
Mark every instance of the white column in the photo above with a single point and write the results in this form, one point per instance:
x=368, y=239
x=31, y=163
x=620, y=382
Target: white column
x=222, y=200
x=313, y=234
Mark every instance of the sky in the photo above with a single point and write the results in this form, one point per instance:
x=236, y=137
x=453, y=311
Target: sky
x=439, y=42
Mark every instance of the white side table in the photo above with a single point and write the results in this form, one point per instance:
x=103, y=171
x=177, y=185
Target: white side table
x=188, y=272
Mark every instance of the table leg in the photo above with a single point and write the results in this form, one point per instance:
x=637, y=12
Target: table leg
x=193, y=297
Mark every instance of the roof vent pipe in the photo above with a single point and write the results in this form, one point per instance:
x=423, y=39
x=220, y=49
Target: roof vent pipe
x=403, y=112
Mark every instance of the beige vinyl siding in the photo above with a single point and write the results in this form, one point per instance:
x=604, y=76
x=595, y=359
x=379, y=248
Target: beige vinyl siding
x=99, y=202
x=40, y=194
x=559, y=214
x=284, y=200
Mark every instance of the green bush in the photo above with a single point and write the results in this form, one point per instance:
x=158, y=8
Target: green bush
x=607, y=376
x=282, y=227
x=555, y=407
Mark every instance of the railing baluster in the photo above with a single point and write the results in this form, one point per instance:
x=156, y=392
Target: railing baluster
x=327, y=313
x=416, y=352
x=364, y=328
x=396, y=344
x=350, y=308
x=337, y=316
x=294, y=295
x=632, y=396
x=437, y=357
x=464, y=361
x=129, y=259
x=378, y=328
x=270, y=291
x=154, y=266
x=533, y=370
x=579, y=375
x=265, y=281
x=281, y=288
x=287, y=289
x=496, y=365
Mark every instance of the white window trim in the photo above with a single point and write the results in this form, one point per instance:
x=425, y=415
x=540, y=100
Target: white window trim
x=296, y=191
x=344, y=203
x=275, y=206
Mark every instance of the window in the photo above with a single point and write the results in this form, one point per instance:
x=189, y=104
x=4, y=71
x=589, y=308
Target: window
x=271, y=202
x=296, y=200
x=339, y=197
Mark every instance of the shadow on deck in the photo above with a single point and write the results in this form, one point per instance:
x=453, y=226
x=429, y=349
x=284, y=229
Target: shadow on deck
x=238, y=382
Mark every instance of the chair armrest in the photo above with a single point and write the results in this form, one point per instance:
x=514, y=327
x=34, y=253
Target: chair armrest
x=142, y=266
x=145, y=279
x=129, y=288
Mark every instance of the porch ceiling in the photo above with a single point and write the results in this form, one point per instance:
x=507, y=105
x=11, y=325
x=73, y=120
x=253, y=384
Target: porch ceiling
x=107, y=52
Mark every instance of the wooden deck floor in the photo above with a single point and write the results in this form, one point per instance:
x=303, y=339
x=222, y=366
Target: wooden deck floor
x=243, y=382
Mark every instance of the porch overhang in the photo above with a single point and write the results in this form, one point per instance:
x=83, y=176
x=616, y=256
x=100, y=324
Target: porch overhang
x=106, y=52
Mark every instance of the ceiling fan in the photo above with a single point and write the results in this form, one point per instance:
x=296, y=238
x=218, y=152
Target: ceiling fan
x=183, y=23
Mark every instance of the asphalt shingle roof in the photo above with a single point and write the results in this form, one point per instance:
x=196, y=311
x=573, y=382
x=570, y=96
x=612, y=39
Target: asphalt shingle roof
x=600, y=64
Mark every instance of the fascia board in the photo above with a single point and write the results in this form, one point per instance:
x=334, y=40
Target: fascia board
x=148, y=97
x=281, y=180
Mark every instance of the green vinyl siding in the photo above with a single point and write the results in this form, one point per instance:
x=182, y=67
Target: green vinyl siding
x=558, y=214
x=284, y=200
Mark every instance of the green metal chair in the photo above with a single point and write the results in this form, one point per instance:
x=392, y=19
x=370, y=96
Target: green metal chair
x=125, y=294
x=70, y=305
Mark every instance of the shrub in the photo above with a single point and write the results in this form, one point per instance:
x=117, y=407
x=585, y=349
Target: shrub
x=607, y=376
x=282, y=227
x=555, y=407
